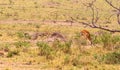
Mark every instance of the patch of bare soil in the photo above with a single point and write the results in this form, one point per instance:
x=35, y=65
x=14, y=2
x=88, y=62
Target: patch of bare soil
x=41, y=22
x=22, y=66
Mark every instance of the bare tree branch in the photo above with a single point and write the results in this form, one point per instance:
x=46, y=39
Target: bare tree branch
x=112, y=5
x=99, y=27
x=110, y=16
x=117, y=11
x=95, y=17
x=118, y=18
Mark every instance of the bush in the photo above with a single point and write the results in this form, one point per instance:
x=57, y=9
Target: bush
x=96, y=39
x=7, y=47
x=80, y=40
x=107, y=40
x=20, y=34
x=109, y=58
x=65, y=47
x=67, y=59
x=115, y=39
x=45, y=49
x=22, y=44
x=74, y=60
x=12, y=53
x=23, y=35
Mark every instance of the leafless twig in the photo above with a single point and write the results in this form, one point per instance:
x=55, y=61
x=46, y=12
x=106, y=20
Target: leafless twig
x=95, y=17
x=117, y=10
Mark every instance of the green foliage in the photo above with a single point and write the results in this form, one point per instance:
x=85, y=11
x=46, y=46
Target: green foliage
x=45, y=49
x=115, y=39
x=96, y=39
x=22, y=44
x=12, y=53
x=77, y=35
x=107, y=40
x=67, y=59
x=109, y=58
x=22, y=35
x=65, y=47
x=68, y=44
x=37, y=26
x=7, y=47
x=80, y=41
x=74, y=60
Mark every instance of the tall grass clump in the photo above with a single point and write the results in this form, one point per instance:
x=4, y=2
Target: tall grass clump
x=62, y=46
x=6, y=47
x=79, y=40
x=73, y=60
x=116, y=41
x=22, y=35
x=20, y=44
x=13, y=53
x=45, y=50
x=107, y=40
x=109, y=58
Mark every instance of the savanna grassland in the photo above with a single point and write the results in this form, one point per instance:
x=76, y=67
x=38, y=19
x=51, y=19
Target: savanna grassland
x=19, y=19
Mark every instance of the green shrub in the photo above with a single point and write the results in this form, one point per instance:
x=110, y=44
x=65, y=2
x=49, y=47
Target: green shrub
x=109, y=58
x=65, y=47
x=96, y=39
x=115, y=39
x=107, y=40
x=22, y=44
x=20, y=34
x=45, y=49
x=74, y=60
x=67, y=59
x=79, y=39
x=7, y=47
x=77, y=35
x=23, y=35
x=12, y=53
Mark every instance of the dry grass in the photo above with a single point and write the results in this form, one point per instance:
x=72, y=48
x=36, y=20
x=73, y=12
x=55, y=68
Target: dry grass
x=25, y=16
x=28, y=57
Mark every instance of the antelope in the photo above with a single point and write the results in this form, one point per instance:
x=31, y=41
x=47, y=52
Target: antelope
x=86, y=35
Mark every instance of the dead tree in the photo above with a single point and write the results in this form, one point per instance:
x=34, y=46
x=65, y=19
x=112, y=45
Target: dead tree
x=95, y=17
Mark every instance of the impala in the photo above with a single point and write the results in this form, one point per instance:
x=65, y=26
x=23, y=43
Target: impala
x=86, y=35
